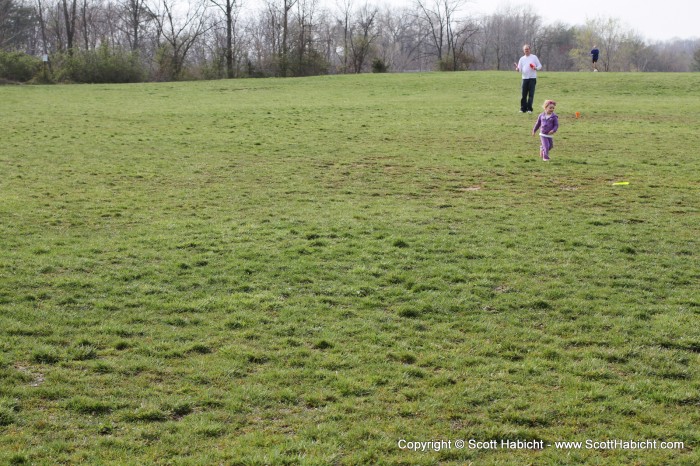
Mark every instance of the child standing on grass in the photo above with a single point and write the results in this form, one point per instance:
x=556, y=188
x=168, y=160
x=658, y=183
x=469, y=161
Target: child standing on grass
x=548, y=124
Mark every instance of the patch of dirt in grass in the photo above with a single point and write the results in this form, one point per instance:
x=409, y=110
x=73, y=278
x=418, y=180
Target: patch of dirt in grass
x=37, y=378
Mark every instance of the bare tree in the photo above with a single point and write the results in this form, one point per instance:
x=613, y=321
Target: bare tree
x=607, y=33
x=91, y=22
x=344, y=8
x=586, y=38
x=70, y=16
x=446, y=32
x=634, y=54
x=496, y=42
x=504, y=33
x=260, y=39
x=85, y=23
x=460, y=33
x=555, y=44
x=42, y=26
x=134, y=15
x=677, y=55
x=610, y=32
x=304, y=36
x=363, y=34
x=230, y=10
x=298, y=37
x=17, y=22
x=277, y=15
x=284, y=59
x=325, y=31
x=399, y=39
x=433, y=17
x=55, y=26
x=179, y=32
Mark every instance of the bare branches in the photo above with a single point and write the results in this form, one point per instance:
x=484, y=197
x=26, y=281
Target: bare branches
x=362, y=34
x=180, y=31
x=217, y=38
x=445, y=31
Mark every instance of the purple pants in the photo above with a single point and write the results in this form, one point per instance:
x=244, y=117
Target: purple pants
x=547, y=145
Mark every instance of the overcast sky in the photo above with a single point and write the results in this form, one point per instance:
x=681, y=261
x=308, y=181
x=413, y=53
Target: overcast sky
x=661, y=20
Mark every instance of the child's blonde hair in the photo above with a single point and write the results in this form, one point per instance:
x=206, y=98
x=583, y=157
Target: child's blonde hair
x=547, y=103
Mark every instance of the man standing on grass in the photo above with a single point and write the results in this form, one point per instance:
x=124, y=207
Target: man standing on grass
x=594, y=56
x=528, y=66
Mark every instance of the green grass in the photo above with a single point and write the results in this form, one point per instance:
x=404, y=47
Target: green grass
x=306, y=271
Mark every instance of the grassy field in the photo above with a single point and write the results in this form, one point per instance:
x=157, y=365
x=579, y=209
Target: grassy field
x=321, y=270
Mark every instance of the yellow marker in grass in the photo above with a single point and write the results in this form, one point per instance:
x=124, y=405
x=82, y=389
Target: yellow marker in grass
x=621, y=183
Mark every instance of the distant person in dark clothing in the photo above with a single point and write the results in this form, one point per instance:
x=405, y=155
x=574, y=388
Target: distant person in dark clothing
x=594, y=54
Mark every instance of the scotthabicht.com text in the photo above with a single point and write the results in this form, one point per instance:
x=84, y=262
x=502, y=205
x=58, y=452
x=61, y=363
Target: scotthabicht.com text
x=506, y=444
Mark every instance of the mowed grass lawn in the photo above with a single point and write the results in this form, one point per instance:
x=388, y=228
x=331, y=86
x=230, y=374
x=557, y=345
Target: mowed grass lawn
x=310, y=271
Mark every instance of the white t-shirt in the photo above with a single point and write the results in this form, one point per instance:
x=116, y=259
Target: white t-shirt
x=524, y=66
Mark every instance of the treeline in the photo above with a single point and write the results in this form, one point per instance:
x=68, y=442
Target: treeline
x=164, y=40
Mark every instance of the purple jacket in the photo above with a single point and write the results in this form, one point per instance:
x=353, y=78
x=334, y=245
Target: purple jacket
x=545, y=125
